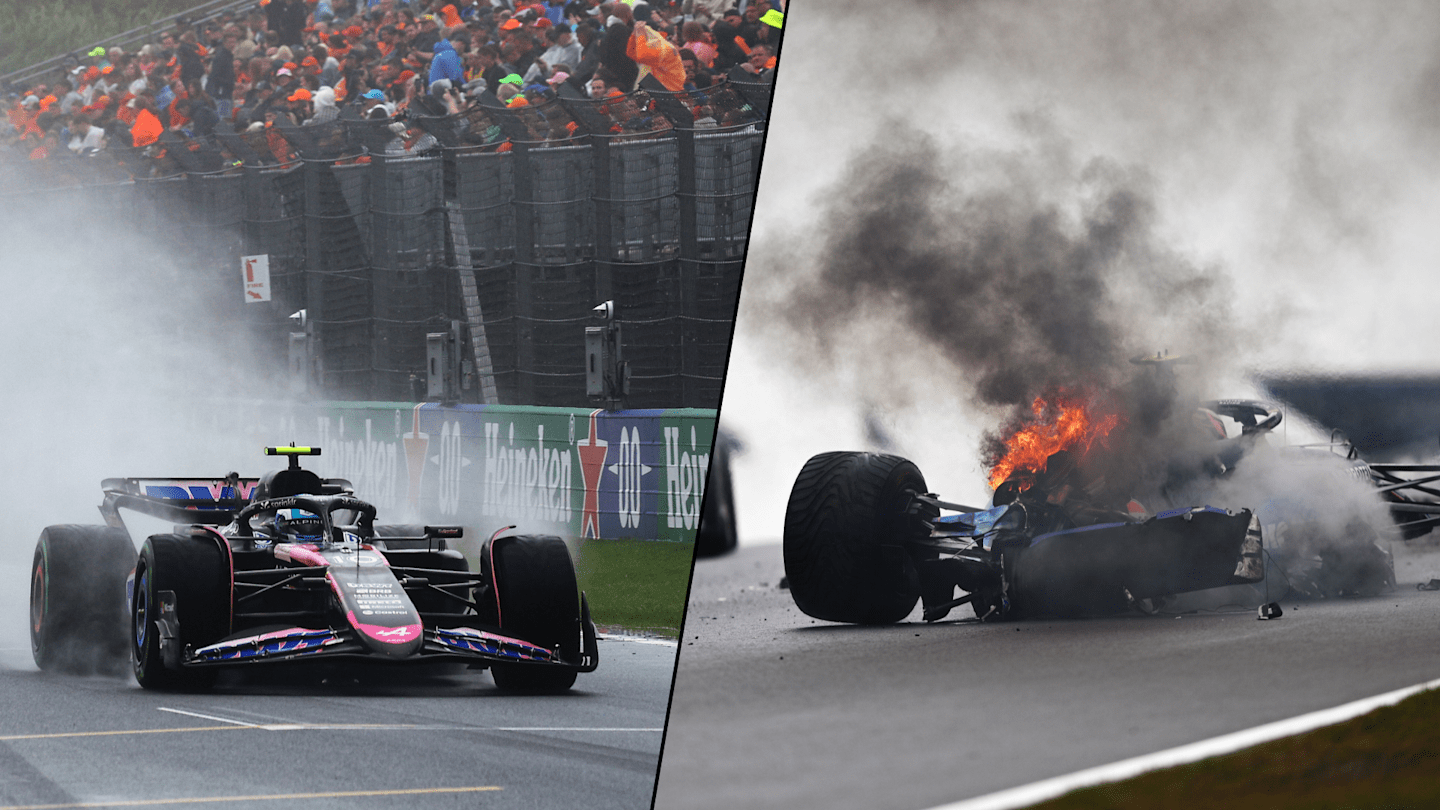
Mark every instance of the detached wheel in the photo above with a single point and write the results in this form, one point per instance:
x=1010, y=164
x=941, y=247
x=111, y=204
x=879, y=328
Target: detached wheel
x=844, y=529
x=195, y=569
x=536, y=596
x=77, y=599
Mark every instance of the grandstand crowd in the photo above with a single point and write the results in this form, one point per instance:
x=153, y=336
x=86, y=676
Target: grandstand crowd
x=310, y=62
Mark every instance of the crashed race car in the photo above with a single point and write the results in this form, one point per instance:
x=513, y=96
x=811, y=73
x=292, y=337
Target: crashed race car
x=864, y=539
x=291, y=567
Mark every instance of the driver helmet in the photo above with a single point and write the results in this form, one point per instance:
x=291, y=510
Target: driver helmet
x=303, y=526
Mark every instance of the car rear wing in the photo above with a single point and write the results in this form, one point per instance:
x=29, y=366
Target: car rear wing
x=207, y=501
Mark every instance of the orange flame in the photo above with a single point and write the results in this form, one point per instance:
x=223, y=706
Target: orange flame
x=1069, y=425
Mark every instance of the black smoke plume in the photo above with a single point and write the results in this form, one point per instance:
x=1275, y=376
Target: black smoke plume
x=1024, y=274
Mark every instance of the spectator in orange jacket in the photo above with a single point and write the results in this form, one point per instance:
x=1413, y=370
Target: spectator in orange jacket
x=147, y=127
x=648, y=48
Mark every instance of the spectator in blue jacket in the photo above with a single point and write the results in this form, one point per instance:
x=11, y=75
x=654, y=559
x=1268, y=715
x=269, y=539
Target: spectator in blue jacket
x=446, y=63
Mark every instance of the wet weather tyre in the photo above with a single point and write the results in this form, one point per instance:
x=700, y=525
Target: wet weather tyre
x=844, y=529
x=77, y=599
x=197, y=570
x=537, y=600
x=716, y=535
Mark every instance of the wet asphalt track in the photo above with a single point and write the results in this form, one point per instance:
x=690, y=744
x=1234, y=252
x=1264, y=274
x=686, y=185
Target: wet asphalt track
x=773, y=709
x=438, y=739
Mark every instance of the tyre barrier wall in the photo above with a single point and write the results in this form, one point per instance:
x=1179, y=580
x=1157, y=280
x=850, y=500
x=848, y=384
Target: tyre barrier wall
x=577, y=473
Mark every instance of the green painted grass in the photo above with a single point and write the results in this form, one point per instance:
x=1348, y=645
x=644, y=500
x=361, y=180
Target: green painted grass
x=636, y=584
x=1387, y=759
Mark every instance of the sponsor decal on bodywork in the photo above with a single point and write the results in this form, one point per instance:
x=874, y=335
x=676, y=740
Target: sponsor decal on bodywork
x=469, y=639
x=292, y=642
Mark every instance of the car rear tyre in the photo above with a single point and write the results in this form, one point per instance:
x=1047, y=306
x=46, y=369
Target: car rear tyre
x=537, y=600
x=845, y=524
x=77, y=599
x=716, y=534
x=195, y=569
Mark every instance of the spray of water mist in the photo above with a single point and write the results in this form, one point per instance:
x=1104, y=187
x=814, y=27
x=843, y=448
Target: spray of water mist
x=116, y=363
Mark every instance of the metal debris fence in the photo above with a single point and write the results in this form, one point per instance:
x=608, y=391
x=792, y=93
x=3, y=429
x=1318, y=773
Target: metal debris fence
x=539, y=214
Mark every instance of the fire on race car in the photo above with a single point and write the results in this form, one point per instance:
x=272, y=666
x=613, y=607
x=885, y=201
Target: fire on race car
x=292, y=567
x=1069, y=533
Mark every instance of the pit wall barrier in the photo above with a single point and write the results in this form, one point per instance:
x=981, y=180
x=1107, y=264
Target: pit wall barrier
x=577, y=473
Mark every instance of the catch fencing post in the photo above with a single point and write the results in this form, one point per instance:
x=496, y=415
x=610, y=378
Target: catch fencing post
x=689, y=265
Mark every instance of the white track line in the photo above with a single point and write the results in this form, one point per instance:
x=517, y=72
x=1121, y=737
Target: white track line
x=266, y=726
x=208, y=717
x=1036, y=792
x=394, y=727
x=270, y=717
x=561, y=728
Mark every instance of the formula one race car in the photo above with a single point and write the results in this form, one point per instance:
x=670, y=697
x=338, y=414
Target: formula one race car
x=292, y=567
x=863, y=541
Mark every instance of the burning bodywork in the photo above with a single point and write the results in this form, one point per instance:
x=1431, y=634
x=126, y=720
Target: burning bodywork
x=1081, y=524
x=291, y=567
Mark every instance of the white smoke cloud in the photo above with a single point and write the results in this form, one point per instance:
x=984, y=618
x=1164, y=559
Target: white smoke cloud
x=115, y=363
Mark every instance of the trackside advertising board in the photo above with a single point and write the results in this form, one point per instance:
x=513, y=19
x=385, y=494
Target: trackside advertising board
x=577, y=473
